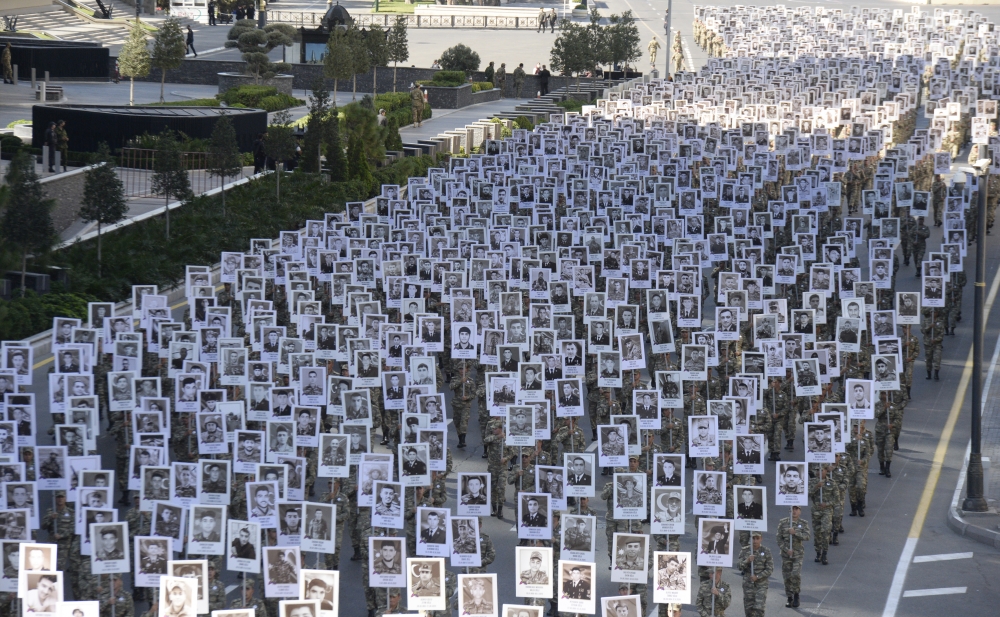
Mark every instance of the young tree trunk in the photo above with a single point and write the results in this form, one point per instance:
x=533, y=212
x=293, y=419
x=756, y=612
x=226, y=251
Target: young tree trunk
x=394, y=65
x=374, y=85
x=354, y=88
x=98, y=249
x=166, y=202
x=163, y=78
x=277, y=172
x=131, y=91
x=24, y=269
x=223, y=197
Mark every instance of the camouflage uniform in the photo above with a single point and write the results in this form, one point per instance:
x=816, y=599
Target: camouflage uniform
x=487, y=553
x=918, y=242
x=823, y=492
x=494, y=442
x=859, y=449
x=260, y=608
x=464, y=387
x=887, y=419
x=953, y=305
x=709, y=604
x=933, y=328
x=59, y=523
x=841, y=472
x=122, y=602
x=216, y=594
x=776, y=403
x=755, y=593
x=792, y=553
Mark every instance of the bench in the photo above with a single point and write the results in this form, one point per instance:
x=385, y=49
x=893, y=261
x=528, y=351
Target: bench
x=52, y=93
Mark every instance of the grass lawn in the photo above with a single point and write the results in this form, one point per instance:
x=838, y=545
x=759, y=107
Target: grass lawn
x=397, y=7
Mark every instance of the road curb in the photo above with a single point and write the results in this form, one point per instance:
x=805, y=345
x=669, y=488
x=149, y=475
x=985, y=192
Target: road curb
x=959, y=524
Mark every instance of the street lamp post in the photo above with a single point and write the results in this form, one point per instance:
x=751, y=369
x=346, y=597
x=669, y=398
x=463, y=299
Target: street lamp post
x=975, y=500
x=666, y=45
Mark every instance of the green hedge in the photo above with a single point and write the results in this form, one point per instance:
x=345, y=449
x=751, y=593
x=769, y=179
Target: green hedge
x=481, y=86
x=140, y=253
x=397, y=105
x=258, y=97
x=24, y=317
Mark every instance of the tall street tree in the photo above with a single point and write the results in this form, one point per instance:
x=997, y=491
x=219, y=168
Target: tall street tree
x=224, y=154
x=571, y=51
x=360, y=59
x=169, y=48
x=104, y=200
x=26, y=224
x=134, y=59
x=170, y=178
x=338, y=63
x=279, y=144
x=378, y=53
x=399, y=48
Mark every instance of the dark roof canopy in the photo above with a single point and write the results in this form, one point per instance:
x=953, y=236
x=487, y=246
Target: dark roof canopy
x=336, y=16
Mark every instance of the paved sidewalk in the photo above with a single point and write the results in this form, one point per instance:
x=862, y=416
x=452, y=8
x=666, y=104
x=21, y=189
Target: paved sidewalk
x=982, y=527
x=450, y=119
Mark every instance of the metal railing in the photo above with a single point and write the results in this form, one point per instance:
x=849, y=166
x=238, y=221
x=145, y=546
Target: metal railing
x=304, y=19
x=135, y=169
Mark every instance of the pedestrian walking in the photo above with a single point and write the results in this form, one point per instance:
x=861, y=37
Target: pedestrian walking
x=500, y=79
x=518, y=79
x=8, y=73
x=542, y=18
x=488, y=73
x=49, y=139
x=190, y=41
x=756, y=564
x=211, y=12
x=552, y=20
x=62, y=141
x=543, y=81
x=417, y=102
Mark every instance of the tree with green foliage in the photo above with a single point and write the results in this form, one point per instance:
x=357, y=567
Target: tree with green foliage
x=256, y=43
x=339, y=62
x=319, y=112
x=133, y=59
x=169, y=49
x=360, y=61
x=358, y=168
x=26, y=226
x=460, y=58
x=571, y=51
x=597, y=40
x=362, y=122
x=224, y=160
x=377, y=46
x=170, y=178
x=104, y=200
x=336, y=162
x=279, y=144
x=399, y=48
x=623, y=40
x=393, y=141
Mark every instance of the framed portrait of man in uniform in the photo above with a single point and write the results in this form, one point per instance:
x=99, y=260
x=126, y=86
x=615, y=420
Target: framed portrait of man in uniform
x=577, y=586
x=386, y=559
x=630, y=563
x=282, y=569
x=715, y=542
x=110, y=548
x=751, y=508
x=243, y=546
x=425, y=589
x=672, y=577
x=323, y=588
x=477, y=595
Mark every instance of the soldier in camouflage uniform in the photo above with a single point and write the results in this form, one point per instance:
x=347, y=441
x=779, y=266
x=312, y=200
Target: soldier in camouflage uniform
x=756, y=564
x=59, y=522
x=953, y=304
x=932, y=325
x=121, y=600
x=494, y=443
x=793, y=533
x=611, y=524
x=918, y=242
x=859, y=449
x=714, y=596
x=841, y=474
x=906, y=226
x=823, y=492
x=487, y=552
x=776, y=404
x=248, y=601
x=887, y=416
x=216, y=590
x=464, y=388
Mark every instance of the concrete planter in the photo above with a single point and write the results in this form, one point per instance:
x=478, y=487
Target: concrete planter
x=579, y=13
x=458, y=97
x=232, y=80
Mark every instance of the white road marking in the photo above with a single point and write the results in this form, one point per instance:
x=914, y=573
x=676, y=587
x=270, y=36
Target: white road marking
x=940, y=591
x=896, y=589
x=942, y=557
x=592, y=447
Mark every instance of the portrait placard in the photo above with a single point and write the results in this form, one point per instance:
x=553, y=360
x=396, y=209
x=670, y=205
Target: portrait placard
x=715, y=542
x=578, y=539
x=110, y=552
x=577, y=586
x=790, y=480
x=580, y=476
x=477, y=595
x=465, y=547
x=193, y=570
x=672, y=579
x=243, y=554
x=425, y=589
x=282, y=571
x=151, y=555
x=751, y=508
x=386, y=557
x=474, y=494
x=321, y=587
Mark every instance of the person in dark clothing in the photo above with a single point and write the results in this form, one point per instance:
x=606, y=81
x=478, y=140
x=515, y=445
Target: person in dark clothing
x=543, y=80
x=249, y=11
x=50, y=140
x=258, y=154
x=240, y=13
x=211, y=12
x=190, y=41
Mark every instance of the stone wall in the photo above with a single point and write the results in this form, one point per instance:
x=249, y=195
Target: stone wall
x=67, y=191
x=232, y=80
x=194, y=71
